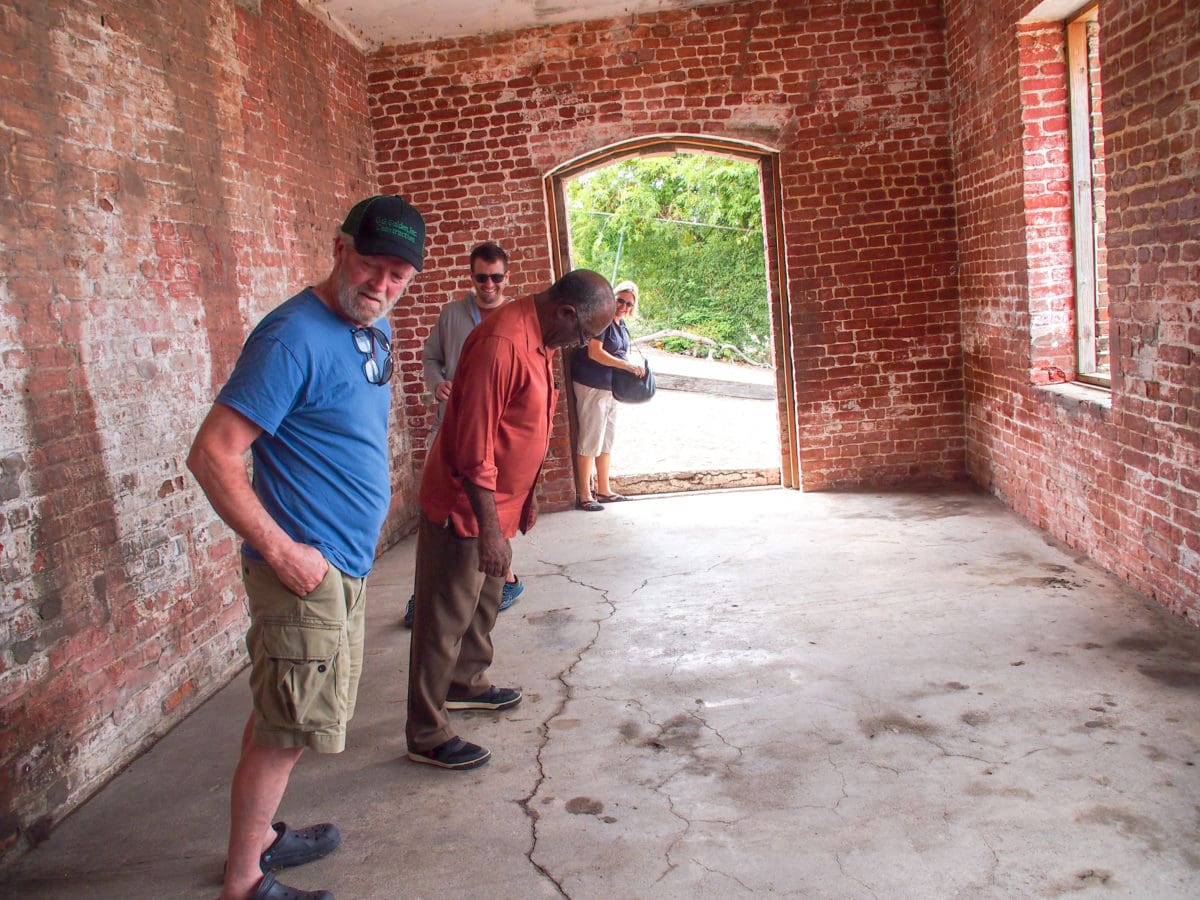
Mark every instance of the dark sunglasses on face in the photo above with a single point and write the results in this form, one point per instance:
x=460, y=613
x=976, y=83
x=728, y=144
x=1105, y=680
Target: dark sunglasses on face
x=497, y=277
x=365, y=340
x=621, y=301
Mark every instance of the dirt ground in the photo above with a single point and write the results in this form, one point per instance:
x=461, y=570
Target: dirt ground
x=684, y=431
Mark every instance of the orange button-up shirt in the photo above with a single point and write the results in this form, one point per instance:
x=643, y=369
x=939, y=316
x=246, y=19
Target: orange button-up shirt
x=496, y=430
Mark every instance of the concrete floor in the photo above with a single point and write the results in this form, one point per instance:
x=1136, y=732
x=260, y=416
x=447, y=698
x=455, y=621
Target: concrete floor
x=727, y=695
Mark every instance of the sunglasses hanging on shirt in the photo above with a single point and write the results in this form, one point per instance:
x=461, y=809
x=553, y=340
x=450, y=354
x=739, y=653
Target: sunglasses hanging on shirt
x=366, y=340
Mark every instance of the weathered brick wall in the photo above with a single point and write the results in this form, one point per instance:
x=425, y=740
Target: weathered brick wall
x=175, y=170
x=1116, y=481
x=855, y=96
x=171, y=172
x=1046, y=196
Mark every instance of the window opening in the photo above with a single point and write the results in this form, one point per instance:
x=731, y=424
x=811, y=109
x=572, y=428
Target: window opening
x=1087, y=181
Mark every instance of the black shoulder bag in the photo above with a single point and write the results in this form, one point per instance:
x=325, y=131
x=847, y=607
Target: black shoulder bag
x=628, y=388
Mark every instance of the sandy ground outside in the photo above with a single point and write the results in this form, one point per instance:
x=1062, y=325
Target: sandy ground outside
x=685, y=431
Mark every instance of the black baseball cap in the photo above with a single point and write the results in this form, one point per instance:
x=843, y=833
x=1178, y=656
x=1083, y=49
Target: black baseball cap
x=387, y=225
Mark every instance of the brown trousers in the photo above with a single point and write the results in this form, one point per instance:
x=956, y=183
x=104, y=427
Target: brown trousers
x=453, y=617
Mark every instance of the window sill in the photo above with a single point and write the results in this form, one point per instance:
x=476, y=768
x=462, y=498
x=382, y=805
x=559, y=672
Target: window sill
x=1078, y=394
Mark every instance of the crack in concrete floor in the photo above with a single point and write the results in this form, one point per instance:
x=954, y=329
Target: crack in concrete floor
x=664, y=737
x=1030, y=736
x=526, y=803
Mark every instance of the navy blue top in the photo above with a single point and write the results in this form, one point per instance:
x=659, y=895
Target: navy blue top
x=585, y=370
x=321, y=463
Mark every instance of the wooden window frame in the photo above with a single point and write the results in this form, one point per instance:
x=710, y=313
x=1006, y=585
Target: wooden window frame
x=1087, y=214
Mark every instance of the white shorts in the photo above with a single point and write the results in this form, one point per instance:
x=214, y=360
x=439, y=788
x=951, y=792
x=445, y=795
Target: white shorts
x=597, y=413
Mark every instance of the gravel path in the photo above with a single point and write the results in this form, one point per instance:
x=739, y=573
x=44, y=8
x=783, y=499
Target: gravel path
x=682, y=431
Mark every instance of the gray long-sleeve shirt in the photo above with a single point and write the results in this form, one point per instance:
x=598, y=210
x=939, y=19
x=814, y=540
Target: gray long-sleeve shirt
x=439, y=358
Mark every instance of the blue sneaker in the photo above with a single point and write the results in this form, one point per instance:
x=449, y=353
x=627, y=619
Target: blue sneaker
x=408, y=613
x=512, y=590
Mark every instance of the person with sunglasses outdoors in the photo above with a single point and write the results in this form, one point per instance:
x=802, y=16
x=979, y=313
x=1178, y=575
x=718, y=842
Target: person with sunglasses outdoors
x=458, y=318
x=595, y=406
x=309, y=399
x=478, y=489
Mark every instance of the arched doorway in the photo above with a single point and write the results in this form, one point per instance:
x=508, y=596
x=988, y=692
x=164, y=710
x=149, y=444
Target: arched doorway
x=766, y=160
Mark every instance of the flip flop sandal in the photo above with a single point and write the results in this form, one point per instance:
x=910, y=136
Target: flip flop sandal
x=295, y=848
x=270, y=889
x=588, y=505
x=610, y=498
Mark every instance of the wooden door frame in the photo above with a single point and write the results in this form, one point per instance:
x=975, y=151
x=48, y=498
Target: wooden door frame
x=767, y=160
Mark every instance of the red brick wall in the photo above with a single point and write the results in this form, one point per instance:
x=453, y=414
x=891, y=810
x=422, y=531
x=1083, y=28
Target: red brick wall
x=171, y=172
x=855, y=97
x=1046, y=162
x=1114, y=477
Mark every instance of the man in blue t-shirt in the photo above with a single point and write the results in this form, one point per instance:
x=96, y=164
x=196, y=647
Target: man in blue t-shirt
x=309, y=398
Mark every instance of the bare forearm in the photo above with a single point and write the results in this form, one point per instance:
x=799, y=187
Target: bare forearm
x=228, y=489
x=598, y=354
x=217, y=460
x=495, y=554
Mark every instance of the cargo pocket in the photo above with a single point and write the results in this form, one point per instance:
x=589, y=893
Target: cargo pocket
x=304, y=667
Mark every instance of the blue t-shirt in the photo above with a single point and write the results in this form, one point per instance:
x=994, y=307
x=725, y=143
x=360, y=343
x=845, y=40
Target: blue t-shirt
x=585, y=370
x=321, y=463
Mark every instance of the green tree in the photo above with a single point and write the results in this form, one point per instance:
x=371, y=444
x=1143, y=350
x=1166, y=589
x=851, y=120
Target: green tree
x=688, y=230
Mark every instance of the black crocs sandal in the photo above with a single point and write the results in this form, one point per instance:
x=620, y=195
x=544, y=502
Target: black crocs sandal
x=295, y=848
x=270, y=889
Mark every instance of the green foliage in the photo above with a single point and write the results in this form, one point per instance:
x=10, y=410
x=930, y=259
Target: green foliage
x=688, y=230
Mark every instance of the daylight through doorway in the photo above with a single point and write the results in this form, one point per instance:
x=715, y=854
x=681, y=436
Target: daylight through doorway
x=688, y=226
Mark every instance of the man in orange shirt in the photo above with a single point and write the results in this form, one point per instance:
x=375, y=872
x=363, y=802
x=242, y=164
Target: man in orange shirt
x=456, y=321
x=477, y=489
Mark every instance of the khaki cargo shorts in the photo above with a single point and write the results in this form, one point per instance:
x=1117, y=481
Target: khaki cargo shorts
x=306, y=657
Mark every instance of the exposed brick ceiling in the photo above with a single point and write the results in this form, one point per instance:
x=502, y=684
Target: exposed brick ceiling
x=375, y=23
